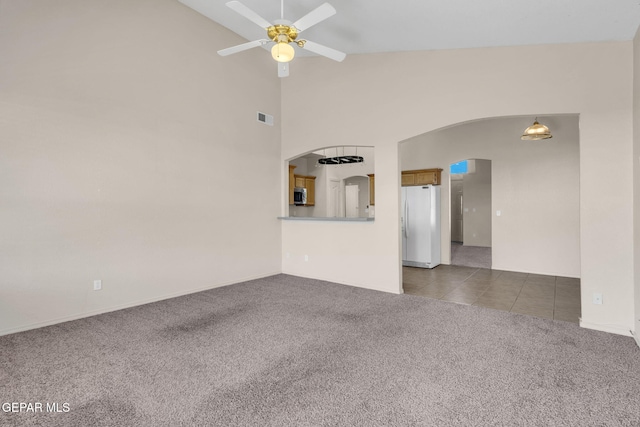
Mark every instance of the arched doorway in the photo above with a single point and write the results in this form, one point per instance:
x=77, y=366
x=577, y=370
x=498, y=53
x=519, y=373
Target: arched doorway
x=534, y=211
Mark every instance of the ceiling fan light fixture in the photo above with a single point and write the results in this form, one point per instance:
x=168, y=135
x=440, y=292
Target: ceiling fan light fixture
x=284, y=33
x=282, y=52
x=536, y=132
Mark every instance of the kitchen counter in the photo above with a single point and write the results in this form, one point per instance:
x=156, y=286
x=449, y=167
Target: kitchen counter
x=338, y=219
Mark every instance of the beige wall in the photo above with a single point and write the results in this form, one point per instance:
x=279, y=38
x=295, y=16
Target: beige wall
x=534, y=184
x=124, y=142
x=382, y=99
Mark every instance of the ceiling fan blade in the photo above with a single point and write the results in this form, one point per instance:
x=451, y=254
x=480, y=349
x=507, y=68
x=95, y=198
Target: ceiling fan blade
x=283, y=69
x=241, y=47
x=318, y=14
x=330, y=53
x=249, y=14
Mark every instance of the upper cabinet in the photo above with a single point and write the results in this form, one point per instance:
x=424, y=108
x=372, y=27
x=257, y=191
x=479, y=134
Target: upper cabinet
x=302, y=181
x=291, y=183
x=372, y=189
x=310, y=185
x=421, y=177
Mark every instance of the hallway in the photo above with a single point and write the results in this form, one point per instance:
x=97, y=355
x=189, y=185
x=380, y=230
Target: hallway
x=470, y=256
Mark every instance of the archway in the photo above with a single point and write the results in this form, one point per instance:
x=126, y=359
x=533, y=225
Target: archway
x=535, y=206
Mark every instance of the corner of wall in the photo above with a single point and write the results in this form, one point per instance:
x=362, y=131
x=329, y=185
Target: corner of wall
x=636, y=182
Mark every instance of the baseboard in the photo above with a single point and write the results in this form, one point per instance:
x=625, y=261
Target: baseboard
x=127, y=305
x=552, y=273
x=355, y=285
x=614, y=329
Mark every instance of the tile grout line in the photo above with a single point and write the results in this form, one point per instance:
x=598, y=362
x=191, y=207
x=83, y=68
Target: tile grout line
x=486, y=290
x=518, y=296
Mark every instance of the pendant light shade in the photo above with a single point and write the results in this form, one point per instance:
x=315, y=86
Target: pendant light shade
x=536, y=132
x=282, y=52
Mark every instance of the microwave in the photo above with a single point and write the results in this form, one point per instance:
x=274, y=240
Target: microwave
x=299, y=196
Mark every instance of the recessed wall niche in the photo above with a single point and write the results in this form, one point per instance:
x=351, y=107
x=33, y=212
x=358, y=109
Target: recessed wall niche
x=337, y=182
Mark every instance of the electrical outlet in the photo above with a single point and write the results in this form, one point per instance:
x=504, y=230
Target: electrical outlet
x=306, y=257
x=97, y=285
x=597, y=298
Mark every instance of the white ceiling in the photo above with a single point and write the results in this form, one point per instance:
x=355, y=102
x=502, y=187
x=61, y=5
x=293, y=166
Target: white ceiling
x=368, y=26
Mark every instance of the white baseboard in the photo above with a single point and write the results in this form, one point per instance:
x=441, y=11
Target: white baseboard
x=614, y=329
x=355, y=285
x=127, y=305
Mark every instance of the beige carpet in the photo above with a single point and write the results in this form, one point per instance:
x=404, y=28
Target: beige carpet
x=286, y=351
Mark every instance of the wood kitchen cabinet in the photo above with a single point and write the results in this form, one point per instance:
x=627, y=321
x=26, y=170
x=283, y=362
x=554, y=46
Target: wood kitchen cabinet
x=310, y=185
x=291, y=183
x=372, y=189
x=421, y=177
x=299, y=181
x=302, y=181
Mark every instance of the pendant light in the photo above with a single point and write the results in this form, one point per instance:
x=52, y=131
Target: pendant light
x=536, y=132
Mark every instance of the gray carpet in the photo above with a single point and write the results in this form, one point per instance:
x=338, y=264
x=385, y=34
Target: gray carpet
x=292, y=351
x=470, y=256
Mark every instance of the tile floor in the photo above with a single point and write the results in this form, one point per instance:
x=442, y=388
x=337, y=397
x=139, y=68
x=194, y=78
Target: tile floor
x=550, y=297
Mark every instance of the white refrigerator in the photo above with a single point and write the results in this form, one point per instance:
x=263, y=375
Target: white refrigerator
x=421, y=226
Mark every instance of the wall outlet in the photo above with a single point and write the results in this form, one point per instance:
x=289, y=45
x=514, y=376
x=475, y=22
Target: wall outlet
x=306, y=257
x=97, y=285
x=597, y=298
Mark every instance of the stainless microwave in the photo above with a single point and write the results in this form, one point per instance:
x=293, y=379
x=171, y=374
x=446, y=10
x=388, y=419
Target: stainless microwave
x=299, y=196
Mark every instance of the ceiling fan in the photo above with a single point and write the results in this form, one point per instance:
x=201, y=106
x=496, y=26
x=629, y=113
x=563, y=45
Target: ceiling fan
x=283, y=33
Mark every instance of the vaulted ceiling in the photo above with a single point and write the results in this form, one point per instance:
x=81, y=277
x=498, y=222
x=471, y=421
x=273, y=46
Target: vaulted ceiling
x=366, y=26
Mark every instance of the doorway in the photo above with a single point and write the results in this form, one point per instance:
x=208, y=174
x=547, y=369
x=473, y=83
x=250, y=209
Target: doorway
x=351, y=194
x=471, y=213
x=356, y=196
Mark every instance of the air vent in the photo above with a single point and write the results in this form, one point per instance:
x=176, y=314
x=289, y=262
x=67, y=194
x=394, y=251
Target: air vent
x=265, y=118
